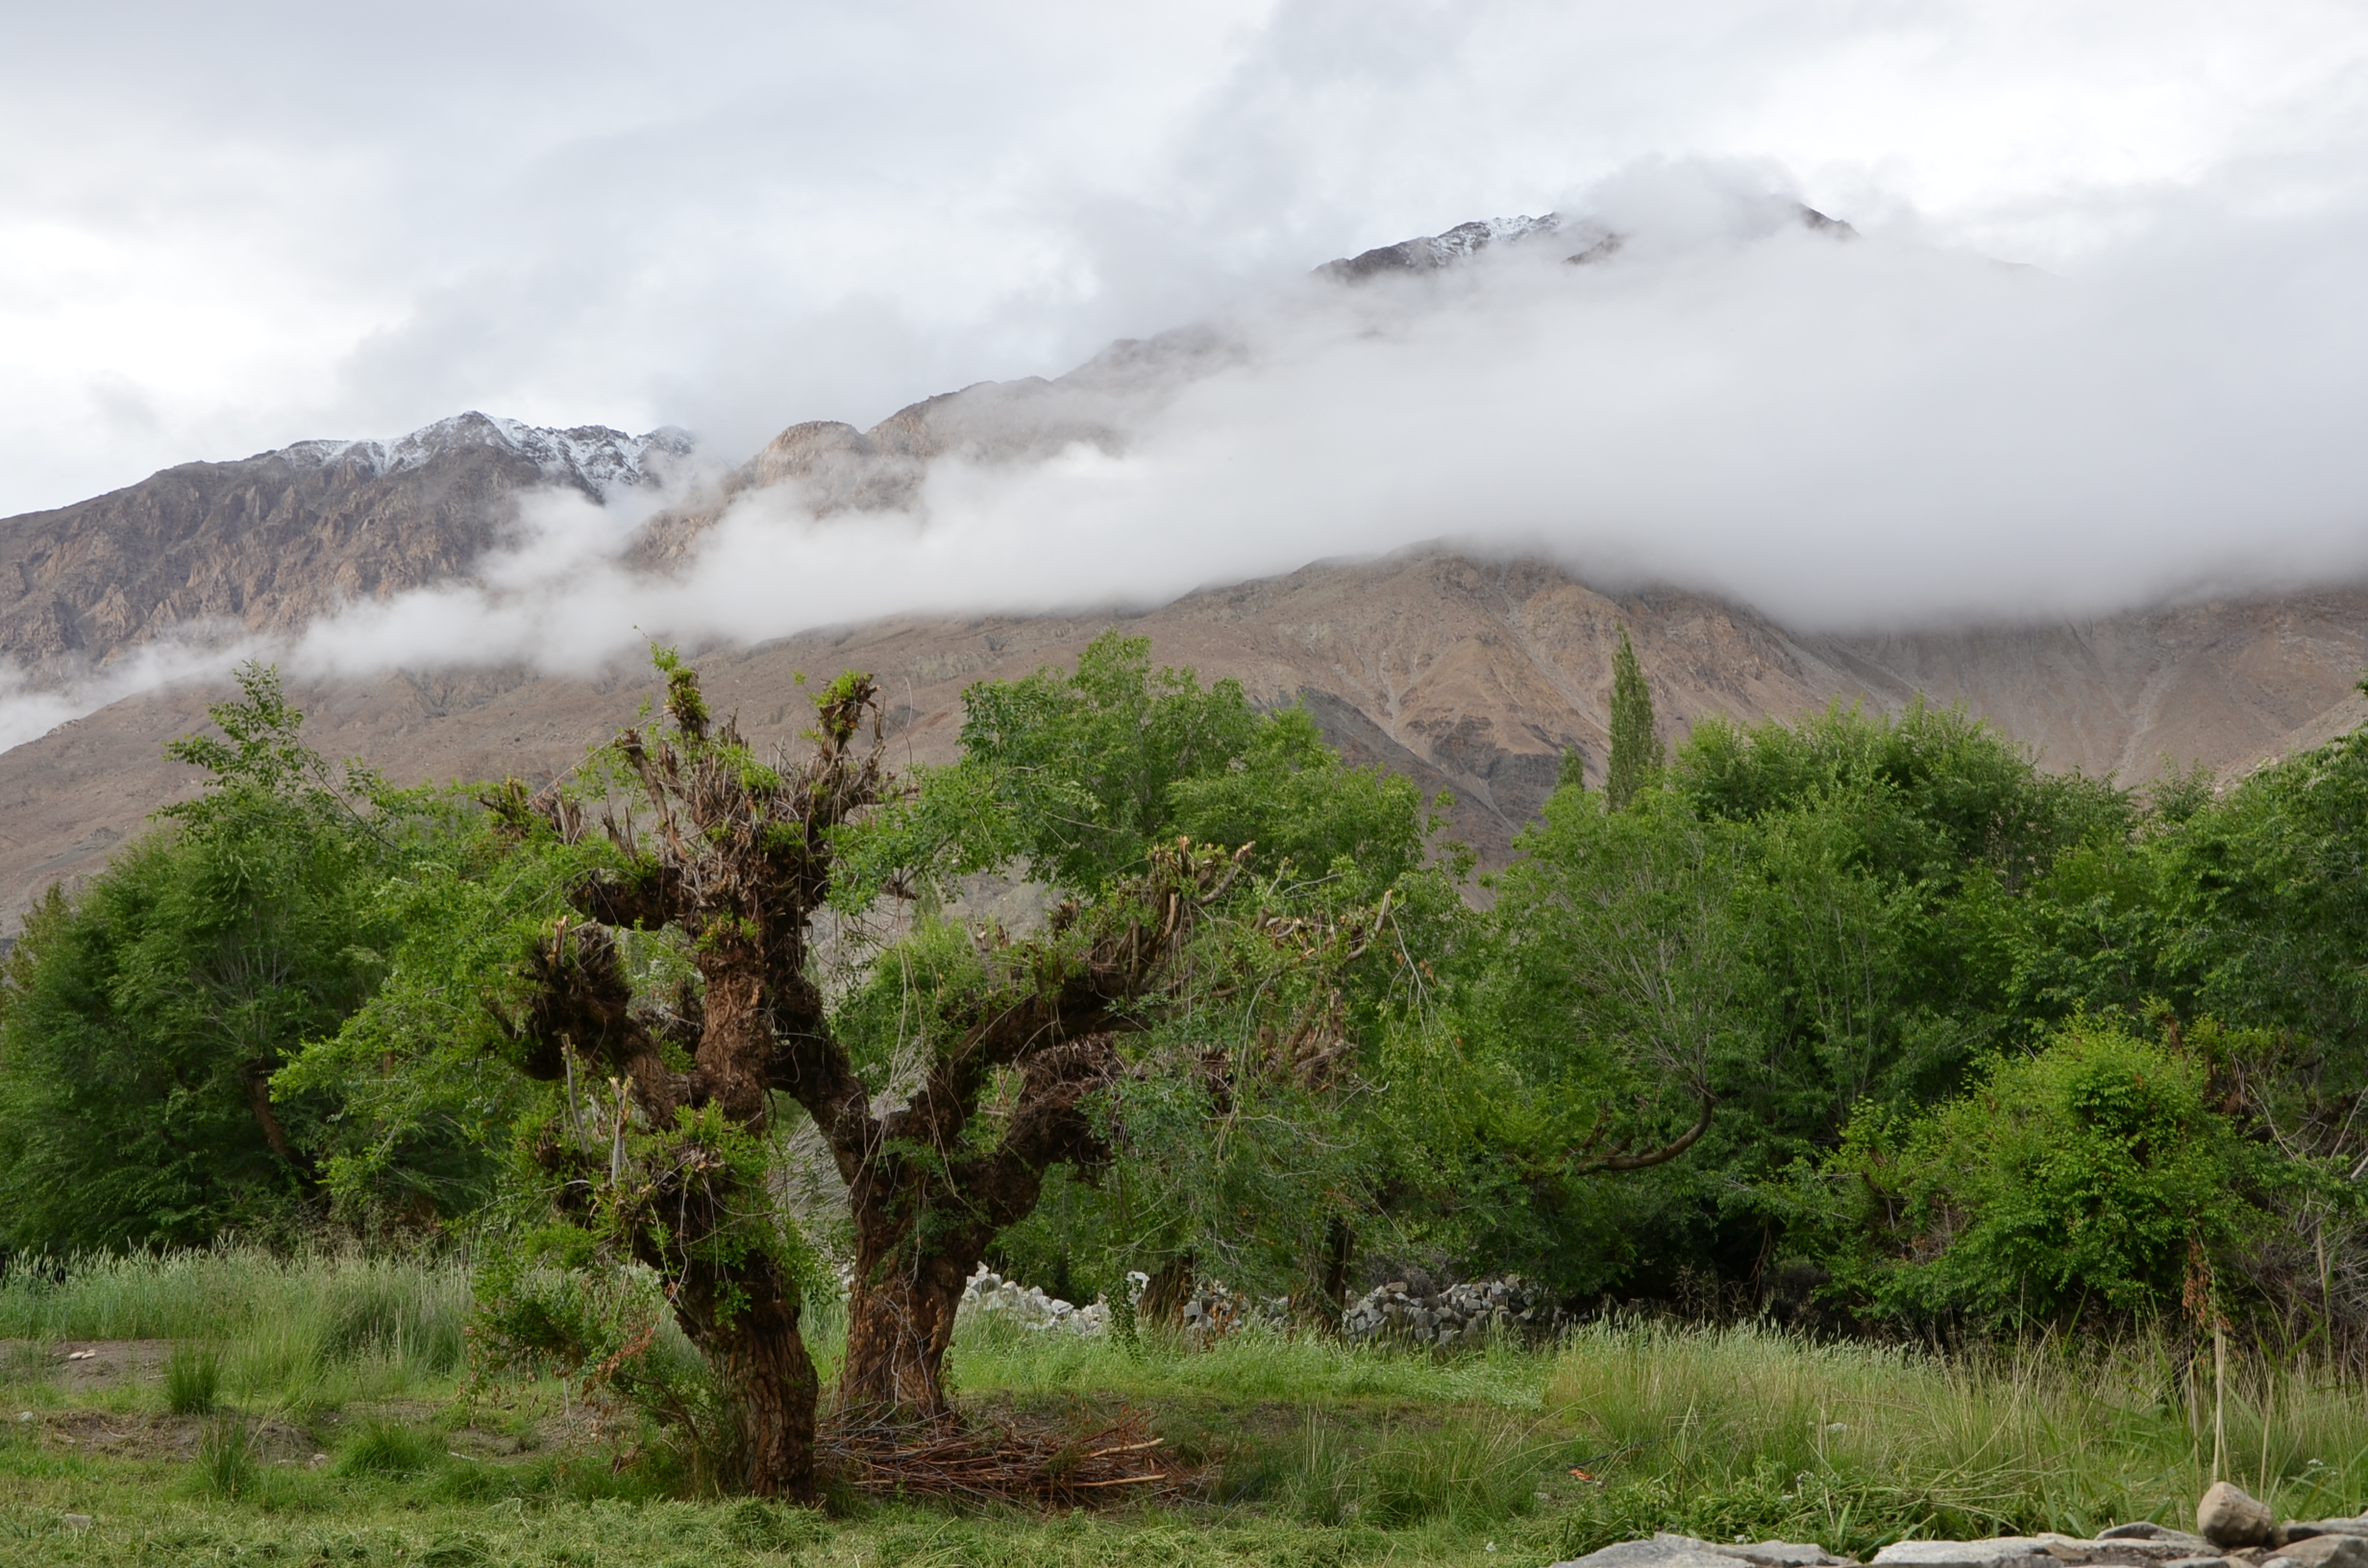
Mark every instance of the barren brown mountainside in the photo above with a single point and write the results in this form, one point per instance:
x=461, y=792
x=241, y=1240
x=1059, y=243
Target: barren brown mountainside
x=1467, y=674
x=269, y=542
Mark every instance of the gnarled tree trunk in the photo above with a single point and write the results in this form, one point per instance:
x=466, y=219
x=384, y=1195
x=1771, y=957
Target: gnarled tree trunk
x=736, y=861
x=900, y=1321
x=757, y=1352
x=923, y=1223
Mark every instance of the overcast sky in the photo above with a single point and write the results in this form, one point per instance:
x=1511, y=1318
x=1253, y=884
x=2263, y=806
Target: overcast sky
x=228, y=227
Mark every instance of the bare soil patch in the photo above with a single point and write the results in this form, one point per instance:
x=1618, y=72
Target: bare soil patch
x=84, y=1366
x=157, y=1436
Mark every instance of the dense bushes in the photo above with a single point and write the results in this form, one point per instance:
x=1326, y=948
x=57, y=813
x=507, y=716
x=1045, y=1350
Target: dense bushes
x=141, y=1022
x=1982, y=1043
x=2094, y=1175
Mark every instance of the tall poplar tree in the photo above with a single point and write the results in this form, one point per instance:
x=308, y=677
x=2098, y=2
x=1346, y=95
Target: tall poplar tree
x=1636, y=746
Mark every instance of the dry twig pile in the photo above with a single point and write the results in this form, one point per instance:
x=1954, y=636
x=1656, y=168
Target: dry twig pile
x=1071, y=1465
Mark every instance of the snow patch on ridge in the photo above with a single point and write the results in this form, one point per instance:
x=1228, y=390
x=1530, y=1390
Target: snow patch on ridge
x=594, y=457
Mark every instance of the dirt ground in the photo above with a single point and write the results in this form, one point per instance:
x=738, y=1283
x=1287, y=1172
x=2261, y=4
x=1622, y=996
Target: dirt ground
x=81, y=1367
x=156, y=1435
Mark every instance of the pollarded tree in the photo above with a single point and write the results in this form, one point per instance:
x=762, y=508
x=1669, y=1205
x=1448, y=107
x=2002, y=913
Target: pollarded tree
x=1008, y=1044
x=731, y=861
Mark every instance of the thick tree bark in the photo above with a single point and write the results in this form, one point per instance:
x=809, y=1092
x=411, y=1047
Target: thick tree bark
x=762, y=1358
x=900, y=1321
x=922, y=1225
x=736, y=859
x=1169, y=1288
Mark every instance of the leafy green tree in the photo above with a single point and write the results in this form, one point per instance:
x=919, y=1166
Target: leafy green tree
x=1229, y=1137
x=1584, y=1035
x=147, y=1013
x=1636, y=754
x=1083, y=767
x=1842, y=895
x=1079, y=776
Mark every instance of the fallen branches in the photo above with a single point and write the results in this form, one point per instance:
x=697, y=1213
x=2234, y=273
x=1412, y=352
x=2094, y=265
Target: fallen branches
x=882, y=1454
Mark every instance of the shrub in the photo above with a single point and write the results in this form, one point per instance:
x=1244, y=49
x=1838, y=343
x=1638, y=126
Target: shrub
x=389, y=1448
x=192, y=1380
x=2081, y=1178
x=226, y=1462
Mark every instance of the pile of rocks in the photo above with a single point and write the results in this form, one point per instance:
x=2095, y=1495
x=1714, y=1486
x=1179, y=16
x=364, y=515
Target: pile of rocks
x=2231, y=1530
x=1459, y=1315
x=1029, y=1306
x=1213, y=1311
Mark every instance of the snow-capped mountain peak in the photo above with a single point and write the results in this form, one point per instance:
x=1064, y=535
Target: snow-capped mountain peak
x=594, y=457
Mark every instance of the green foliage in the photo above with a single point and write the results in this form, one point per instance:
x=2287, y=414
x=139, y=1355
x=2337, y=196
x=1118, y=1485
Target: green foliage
x=2269, y=906
x=755, y=1524
x=552, y=1303
x=1613, y=979
x=1242, y=1135
x=146, y=1015
x=2076, y=1180
x=1800, y=919
x=423, y=1069
x=227, y=1467
x=1077, y=774
x=1944, y=797
x=309, y=1328
x=1252, y=1122
x=1085, y=764
x=1635, y=758
x=1417, y=1459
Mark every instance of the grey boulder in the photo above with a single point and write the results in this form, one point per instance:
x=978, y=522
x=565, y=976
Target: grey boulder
x=1668, y=1551
x=2326, y=1551
x=2227, y=1517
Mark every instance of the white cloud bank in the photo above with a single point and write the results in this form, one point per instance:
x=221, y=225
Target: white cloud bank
x=1836, y=431
x=227, y=234
x=229, y=227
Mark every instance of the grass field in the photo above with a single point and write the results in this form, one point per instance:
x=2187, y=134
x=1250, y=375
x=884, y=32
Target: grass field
x=248, y=1409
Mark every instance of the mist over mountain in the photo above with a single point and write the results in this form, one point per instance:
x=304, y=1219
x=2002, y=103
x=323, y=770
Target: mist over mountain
x=1679, y=412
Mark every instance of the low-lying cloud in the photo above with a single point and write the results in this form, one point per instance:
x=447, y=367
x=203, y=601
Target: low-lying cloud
x=1837, y=429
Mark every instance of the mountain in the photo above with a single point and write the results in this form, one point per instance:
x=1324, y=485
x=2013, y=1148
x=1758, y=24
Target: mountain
x=1469, y=675
x=1465, y=675
x=266, y=543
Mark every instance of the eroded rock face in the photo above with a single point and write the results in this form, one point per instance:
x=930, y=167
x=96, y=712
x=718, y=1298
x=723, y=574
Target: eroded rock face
x=268, y=542
x=2228, y=1517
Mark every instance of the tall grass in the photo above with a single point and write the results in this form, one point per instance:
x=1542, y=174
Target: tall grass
x=1743, y=1429
x=194, y=1380
x=991, y=1353
x=312, y=1328
x=1716, y=1431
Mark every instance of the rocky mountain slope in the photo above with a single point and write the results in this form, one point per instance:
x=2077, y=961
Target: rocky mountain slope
x=1465, y=675
x=266, y=543
x=1469, y=675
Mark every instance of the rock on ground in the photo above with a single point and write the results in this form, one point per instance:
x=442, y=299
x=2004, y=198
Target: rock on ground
x=2228, y=1517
